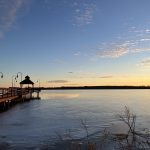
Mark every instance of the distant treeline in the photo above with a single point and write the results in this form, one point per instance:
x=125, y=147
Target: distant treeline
x=93, y=87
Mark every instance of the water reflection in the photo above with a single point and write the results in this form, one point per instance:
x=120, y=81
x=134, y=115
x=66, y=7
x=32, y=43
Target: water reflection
x=47, y=95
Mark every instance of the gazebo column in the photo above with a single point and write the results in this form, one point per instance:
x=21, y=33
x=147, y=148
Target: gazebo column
x=21, y=90
x=33, y=87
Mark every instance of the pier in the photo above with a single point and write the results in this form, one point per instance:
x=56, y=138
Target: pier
x=12, y=96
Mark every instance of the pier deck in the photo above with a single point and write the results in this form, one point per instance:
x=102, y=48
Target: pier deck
x=10, y=97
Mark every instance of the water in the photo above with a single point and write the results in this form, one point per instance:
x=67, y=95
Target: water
x=35, y=124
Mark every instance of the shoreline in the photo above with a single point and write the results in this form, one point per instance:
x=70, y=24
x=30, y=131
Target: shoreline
x=94, y=88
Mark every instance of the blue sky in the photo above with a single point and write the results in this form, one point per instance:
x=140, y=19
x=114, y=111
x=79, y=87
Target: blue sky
x=76, y=42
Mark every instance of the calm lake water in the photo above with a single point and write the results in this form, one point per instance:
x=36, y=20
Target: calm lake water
x=35, y=124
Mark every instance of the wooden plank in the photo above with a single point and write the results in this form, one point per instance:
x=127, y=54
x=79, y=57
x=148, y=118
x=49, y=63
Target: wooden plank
x=8, y=98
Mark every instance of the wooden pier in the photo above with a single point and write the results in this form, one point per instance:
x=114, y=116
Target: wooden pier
x=12, y=96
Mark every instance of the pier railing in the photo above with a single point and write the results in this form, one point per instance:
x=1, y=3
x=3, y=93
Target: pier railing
x=9, y=92
x=11, y=96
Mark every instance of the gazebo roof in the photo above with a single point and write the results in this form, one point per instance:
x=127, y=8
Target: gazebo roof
x=27, y=81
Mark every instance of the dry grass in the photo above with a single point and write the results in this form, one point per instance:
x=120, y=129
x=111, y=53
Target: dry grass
x=131, y=140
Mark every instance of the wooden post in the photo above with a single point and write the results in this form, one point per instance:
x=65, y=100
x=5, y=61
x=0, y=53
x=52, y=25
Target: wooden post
x=11, y=92
x=2, y=93
x=30, y=94
x=7, y=92
x=37, y=94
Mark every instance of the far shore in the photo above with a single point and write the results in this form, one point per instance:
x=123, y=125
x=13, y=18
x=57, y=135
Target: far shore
x=87, y=88
x=93, y=87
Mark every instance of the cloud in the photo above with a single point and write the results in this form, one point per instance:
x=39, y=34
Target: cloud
x=8, y=14
x=83, y=13
x=89, y=75
x=77, y=54
x=128, y=45
x=139, y=50
x=58, y=81
x=107, y=76
x=145, y=63
x=141, y=31
x=135, y=40
x=114, y=53
x=145, y=39
x=72, y=84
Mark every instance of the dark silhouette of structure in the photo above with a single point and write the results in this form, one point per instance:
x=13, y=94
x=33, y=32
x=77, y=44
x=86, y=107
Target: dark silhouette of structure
x=1, y=74
x=27, y=81
x=14, y=95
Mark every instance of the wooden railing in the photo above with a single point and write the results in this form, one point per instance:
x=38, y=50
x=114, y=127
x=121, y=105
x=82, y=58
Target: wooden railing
x=9, y=92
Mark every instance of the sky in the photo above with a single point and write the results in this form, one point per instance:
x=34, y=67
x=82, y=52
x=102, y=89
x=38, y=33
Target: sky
x=75, y=42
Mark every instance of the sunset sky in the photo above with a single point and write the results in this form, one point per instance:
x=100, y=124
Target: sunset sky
x=75, y=42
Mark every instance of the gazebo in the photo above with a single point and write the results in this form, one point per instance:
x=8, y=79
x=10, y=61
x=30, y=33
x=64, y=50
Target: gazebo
x=26, y=81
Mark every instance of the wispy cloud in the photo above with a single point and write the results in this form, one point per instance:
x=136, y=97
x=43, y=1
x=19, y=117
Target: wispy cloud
x=114, y=53
x=106, y=76
x=145, y=63
x=135, y=43
x=77, y=54
x=89, y=75
x=141, y=31
x=139, y=50
x=72, y=84
x=58, y=81
x=83, y=12
x=8, y=14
